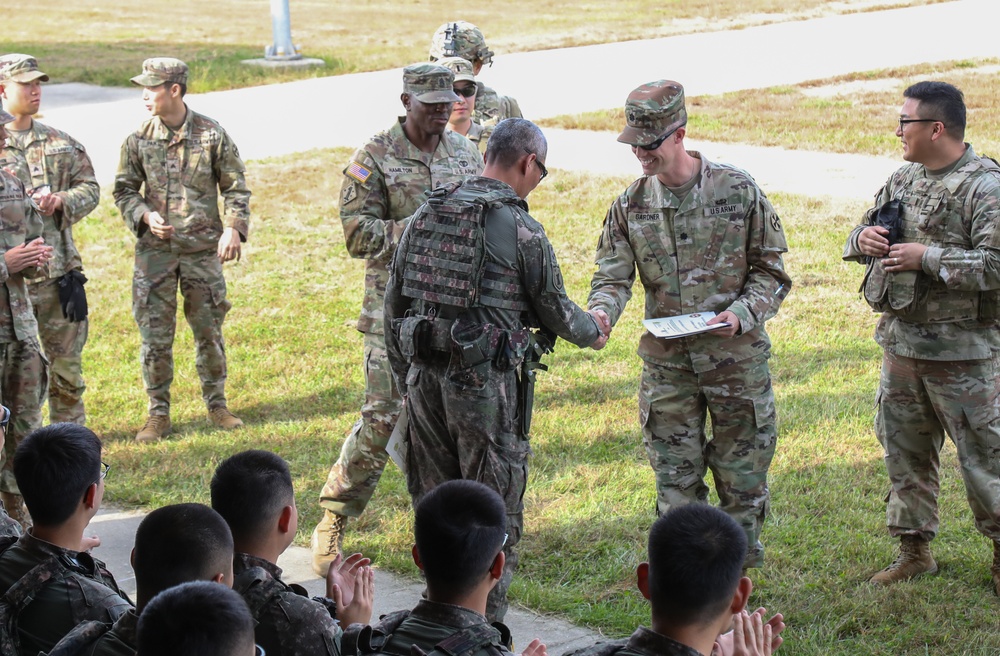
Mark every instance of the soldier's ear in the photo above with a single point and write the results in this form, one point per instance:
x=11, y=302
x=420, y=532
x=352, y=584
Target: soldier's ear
x=405, y=99
x=416, y=558
x=642, y=579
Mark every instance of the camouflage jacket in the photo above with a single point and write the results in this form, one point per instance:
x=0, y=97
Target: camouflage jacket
x=957, y=216
x=384, y=183
x=19, y=222
x=431, y=622
x=52, y=157
x=120, y=640
x=479, y=135
x=491, y=107
x=718, y=248
x=516, y=243
x=289, y=623
x=66, y=589
x=182, y=172
x=643, y=642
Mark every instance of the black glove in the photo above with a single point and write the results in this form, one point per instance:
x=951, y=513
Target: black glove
x=72, y=296
x=888, y=217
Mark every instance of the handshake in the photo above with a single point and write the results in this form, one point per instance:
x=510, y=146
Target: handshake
x=603, y=325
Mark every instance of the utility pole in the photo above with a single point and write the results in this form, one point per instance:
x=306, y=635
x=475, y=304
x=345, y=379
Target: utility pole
x=282, y=49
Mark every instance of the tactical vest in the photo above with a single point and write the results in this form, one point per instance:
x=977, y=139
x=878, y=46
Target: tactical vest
x=930, y=215
x=446, y=263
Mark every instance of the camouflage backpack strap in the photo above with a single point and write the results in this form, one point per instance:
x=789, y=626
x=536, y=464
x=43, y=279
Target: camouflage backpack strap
x=80, y=638
x=361, y=639
x=480, y=637
x=257, y=589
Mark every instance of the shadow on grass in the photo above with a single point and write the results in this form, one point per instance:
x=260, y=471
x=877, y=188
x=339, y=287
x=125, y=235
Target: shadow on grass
x=211, y=68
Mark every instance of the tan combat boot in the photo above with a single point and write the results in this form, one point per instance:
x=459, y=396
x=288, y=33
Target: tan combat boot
x=155, y=429
x=15, y=507
x=327, y=541
x=995, y=569
x=914, y=559
x=222, y=418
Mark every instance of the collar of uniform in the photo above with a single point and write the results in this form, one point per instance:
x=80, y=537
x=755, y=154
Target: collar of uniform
x=954, y=180
x=646, y=641
x=245, y=561
x=458, y=617
x=481, y=183
x=162, y=132
x=661, y=197
x=40, y=548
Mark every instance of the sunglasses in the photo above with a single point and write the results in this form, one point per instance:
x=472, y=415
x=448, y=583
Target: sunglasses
x=465, y=92
x=659, y=142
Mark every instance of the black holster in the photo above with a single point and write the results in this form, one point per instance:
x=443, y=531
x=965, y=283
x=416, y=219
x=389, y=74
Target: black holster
x=72, y=296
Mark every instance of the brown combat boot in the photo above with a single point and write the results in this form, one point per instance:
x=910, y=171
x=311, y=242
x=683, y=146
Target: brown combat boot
x=995, y=569
x=15, y=507
x=224, y=419
x=327, y=541
x=914, y=559
x=155, y=429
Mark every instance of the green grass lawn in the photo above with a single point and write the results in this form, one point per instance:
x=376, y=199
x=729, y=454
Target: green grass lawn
x=104, y=42
x=294, y=359
x=856, y=113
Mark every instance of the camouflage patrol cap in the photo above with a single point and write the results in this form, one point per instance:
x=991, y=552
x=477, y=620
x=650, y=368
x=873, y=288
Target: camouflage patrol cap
x=460, y=39
x=462, y=68
x=160, y=70
x=652, y=111
x=429, y=83
x=20, y=68
x=5, y=117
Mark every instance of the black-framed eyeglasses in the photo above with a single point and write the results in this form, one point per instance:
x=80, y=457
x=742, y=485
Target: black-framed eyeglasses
x=545, y=172
x=105, y=468
x=903, y=122
x=659, y=142
x=5, y=419
x=465, y=92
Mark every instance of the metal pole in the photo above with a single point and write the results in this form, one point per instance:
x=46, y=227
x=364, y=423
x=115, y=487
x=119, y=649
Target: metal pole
x=281, y=28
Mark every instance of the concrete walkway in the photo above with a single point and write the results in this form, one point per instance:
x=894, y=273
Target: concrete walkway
x=286, y=118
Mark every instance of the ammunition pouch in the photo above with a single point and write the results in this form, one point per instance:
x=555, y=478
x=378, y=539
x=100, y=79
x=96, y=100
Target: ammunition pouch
x=889, y=217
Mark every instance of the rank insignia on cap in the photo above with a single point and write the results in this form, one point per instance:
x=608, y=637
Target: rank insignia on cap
x=358, y=172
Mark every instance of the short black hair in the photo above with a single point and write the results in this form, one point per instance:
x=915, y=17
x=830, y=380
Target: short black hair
x=53, y=467
x=512, y=139
x=459, y=529
x=196, y=619
x=942, y=102
x=696, y=555
x=249, y=489
x=180, y=543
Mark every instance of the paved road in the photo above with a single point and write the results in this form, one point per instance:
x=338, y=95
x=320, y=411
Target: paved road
x=342, y=111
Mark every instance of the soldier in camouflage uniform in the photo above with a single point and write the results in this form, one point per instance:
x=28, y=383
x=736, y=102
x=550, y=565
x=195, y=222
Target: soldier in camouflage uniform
x=932, y=245
x=461, y=116
x=459, y=530
x=386, y=180
x=703, y=238
x=23, y=369
x=461, y=297
x=253, y=491
x=696, y=591
x=465, y=40
x=198, y=618
x=56, y=170
x=59, y=471
x=183, y=160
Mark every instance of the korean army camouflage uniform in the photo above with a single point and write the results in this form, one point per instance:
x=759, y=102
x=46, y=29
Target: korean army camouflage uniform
x=455, y=630
x=464, y=417
x=717, y=247
x=938, y=330
x=288, y=622
x=465, y=40
x=94, y=638
x=385, y=182
x=181, y=173
x=643, y=642
x=40, y=156
x=23, y=368
x=62, y=589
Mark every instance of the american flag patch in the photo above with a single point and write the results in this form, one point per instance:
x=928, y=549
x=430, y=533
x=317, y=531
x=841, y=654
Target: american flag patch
x=358, y=172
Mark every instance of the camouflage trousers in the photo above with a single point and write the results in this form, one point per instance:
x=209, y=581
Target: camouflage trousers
x=62, y=342
x=154, y=305
x=673, y=404
x=918, y=401
x=24, y=384
x=352, y=479
x=460, y=432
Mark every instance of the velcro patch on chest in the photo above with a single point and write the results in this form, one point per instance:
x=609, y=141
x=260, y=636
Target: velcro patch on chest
x=645, y=216
x=729, y=208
